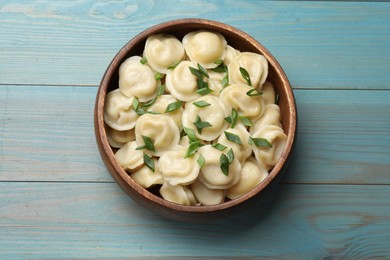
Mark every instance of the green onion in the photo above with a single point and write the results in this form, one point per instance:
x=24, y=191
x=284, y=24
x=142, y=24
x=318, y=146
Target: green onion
x=196, y=72
x=174, y=65
x=149, y=162
x=135, y=104
x=158, y=76
x=254, y=92
x=245, y=120
x=161, y=90
x=245, y=75
x=199, y=124
x=201, y=103
x=204, y=91
x=259, y=142
x=232, y=119
x=149, y=103
x=203, y=71
x=221, y=68
x=148, y=143
x=219, y=146
x=143, y=60
x=201, y=161
x=173, y=106
x=230, y=155
x=233, y=137
x=192, y=149
x=191, y=134
x=224, y=164
x=218, y=62
x=225, y=81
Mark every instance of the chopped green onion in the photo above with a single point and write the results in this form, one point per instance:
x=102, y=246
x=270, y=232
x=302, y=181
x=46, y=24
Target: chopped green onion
x=173, y=106
x=135, y=104
x=158, y=76
x=221, y=68
x=254, y=92
x=230, y=155
x=203, y=71
x=259, y=142
x=196, y=72
x=201, y=103
x=219, y=146
x=192, y=149
x=201, y=161
x=224, y=164
x=233, y=137
x=245, y=75
x=199, y=124
x=148, y=143
x=174, y=65
x=232, y=119
x=225, y=81
x=149, y=162
x=149, y=103
x=245, y=120
x=140, y=111
x=191, y=134
x=204, y=91
x=143, y=60
x=161, y=90
x=218, y=62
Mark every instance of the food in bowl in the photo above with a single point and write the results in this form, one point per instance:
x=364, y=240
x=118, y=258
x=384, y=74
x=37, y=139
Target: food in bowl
x=195, y=118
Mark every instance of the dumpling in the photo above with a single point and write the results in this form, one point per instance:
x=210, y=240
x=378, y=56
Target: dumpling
x=231, y=54
x=117, y=139
x=128, y=157
x=161, y=129
x=205, y=195
x=211, y=174
x=271, y=116
x=178, y=170
x=118, y=111
x=256, y=66
x=162, y=51
x=269, y=156
x=146, y=177
x=213, y=114
x=205, y=47
x=177, y=194
x=241, y=151
x=181, y=83
x=161, y=104
x=215, y=82
x=137, y=79
x=235, y=96
x=251, y=175
x=268, y=93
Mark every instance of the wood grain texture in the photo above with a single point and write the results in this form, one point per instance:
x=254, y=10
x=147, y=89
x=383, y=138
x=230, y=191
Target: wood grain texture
x=319, y=44
x=46, y=134
x=99, y=220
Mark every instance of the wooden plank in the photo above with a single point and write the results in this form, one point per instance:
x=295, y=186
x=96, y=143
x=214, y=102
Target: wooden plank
x=46, y=134
x=319, y=44
x=98, y=220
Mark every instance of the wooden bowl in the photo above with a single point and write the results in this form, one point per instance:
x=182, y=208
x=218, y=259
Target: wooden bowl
x=238, y=40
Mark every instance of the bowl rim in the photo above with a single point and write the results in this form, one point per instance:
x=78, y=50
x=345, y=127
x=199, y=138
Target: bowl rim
x=107, y=154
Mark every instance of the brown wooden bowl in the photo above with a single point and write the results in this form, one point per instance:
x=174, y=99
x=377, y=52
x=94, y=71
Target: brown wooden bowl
x=238, y=40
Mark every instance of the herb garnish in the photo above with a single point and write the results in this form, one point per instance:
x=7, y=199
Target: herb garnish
x=259, y=142
x=158, y=76
x=245, y=75
x=191, y=134
x=192, y=149
x=201, y=103
x=254, y=92
x=149, y=162
x=173, y=106
x=174, y=65
x=148, y=144
x=200, y=73
x=199, y=124
x=245, y=120
x=143, y=60
x=219, y=146
x=232, y=119
x=201, y=161
x=224, y=164
x=233, y=137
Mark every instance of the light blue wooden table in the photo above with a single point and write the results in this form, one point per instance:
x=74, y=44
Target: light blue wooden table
x=57, y=199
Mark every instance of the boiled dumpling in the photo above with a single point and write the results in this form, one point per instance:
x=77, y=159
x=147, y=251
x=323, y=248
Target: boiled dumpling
x=117, y=139
x=181, y=83
x=235, y=96
x=255, y=64
x=268, y=93
x=118, y=111
x=177, y=194
x=241, y=151
x=269, y=156
x=231, y=54
x=215, y=82
x=205, y=195
x=128, y=157
x=137, y=79
x=251, y=175
x=161, y=105
x=211, y=174
x=271, y=116
x=146, y=177
x=162, y=51
x=214, y=114
x=205, y=47
x=178, y=170
x=162, y=131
